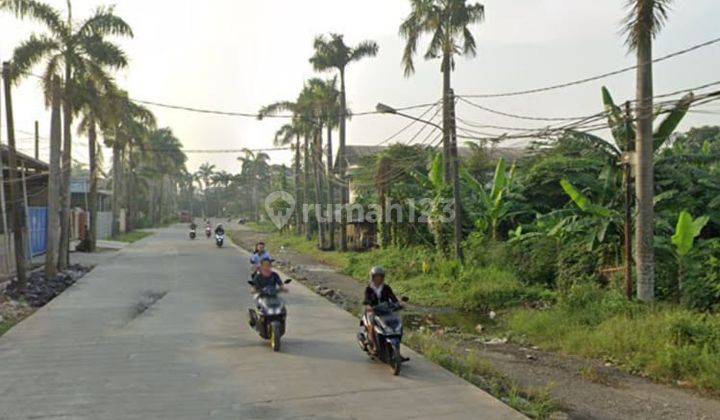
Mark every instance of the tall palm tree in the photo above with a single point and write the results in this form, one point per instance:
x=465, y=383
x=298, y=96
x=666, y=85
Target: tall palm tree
x=94, y=108
x=75, y=52
x=644, y=21
x=333, y=53
x=127, y=129
x=205, y=173
x=285, y=136
x=448, y=22
x=255, y=167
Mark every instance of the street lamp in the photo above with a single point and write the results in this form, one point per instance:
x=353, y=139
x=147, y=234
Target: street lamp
x=454, y=168
x=387, y=109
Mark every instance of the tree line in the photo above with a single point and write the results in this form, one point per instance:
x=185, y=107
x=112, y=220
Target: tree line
x=79, y=59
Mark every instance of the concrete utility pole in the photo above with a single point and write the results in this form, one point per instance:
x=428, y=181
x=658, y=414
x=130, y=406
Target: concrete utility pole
x=455, y=168
x=15, y=204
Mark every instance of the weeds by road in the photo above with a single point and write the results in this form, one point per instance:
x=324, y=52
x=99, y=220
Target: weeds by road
x=133, y=236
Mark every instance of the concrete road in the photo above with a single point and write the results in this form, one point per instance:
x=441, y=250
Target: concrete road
x=160, y=331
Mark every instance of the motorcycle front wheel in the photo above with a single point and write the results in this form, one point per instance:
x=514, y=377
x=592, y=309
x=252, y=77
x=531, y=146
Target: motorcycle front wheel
x=275, y=329
x=396, y=360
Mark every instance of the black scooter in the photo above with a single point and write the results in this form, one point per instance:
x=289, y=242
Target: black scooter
x=192, y=234
x=219, y=239
x=268, y=317
x=388, y=328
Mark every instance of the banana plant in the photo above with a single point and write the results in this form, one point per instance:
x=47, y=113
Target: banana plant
x=495, y=206
x=686, y=230
x=595, y=221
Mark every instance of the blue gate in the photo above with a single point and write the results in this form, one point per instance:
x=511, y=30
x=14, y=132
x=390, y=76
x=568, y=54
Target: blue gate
x=38, y=230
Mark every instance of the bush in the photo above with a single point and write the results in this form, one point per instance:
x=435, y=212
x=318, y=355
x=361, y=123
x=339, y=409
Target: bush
x=577, y=265
x=485, y=288
x=701, y=288
x=534, y=260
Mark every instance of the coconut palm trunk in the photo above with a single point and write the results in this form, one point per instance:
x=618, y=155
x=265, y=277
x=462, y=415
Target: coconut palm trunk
x=330, y=191
x=341, y=169
x=645, y=256
x=65, y=196
x=446, y=69
x=117, y=181
x=298, y=199
x=306, y=184
x=93, y=197
x=317, y=159
x=51, y=256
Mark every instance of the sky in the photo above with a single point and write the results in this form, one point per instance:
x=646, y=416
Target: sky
x=238, y=55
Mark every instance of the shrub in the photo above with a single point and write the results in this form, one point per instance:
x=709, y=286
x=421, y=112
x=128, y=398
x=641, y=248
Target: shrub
x=576, y=264
x=701, y=289
x=534, y=260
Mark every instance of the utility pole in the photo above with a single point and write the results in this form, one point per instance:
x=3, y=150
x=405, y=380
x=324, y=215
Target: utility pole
x=627, y=184
x=37, y=140
x=455, y=168
x=15, y=214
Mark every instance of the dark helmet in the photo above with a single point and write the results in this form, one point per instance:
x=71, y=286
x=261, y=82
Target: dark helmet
x=377, y=271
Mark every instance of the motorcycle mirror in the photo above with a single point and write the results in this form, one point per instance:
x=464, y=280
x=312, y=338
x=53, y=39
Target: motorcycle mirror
x=251, y=283
x=405, y=299
x=288, y=281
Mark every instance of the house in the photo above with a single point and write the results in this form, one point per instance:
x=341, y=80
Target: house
x=32, y=183
x=80, y=193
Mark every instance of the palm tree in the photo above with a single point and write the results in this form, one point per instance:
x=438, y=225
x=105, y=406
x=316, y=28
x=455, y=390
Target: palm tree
x=94, y=108
x=127, y=127
x=448, y=21
x=283, y=137
x=644, y=21
x=255, y=167
x=205, y=173
x=333, y=53
x=74, y=52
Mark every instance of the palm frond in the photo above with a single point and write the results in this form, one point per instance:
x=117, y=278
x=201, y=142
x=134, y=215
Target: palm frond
x=38, y=11
x=104, y=22
x=644, y=17
x=30, y=52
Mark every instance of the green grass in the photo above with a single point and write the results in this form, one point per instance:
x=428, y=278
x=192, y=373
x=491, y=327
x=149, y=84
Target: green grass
x=426, y=278
x=470, y=366
x=133, y=236
x=664, y=343
x=5, y=327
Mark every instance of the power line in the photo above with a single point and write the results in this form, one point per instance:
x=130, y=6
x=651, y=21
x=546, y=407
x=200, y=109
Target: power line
x=592, y=78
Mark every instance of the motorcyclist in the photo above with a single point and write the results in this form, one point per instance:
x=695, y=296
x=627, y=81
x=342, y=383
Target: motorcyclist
x=376, y=292
x=264, y=277
x=193, y=226
x=219, y=229
x=258, y=255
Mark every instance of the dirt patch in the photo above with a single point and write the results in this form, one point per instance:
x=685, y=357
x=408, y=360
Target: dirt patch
x=585, y=389
x=17, y=304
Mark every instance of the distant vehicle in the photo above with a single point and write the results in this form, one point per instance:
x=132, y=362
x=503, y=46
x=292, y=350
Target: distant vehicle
x=185, y=216
x=219, y=240
x=193, y=234
x=241, y=221
x=208, y=231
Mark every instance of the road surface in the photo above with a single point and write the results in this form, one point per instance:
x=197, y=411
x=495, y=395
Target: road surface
x=159, y=331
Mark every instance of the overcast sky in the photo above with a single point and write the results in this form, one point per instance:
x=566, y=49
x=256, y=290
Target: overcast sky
x=238, y=55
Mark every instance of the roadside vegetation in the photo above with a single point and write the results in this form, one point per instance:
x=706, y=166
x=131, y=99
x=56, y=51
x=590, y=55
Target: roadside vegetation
x=133, y=236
